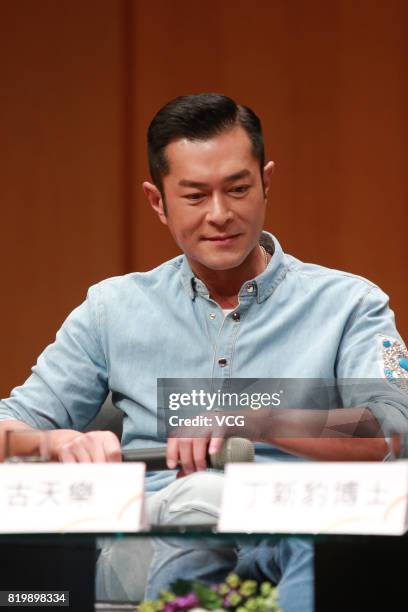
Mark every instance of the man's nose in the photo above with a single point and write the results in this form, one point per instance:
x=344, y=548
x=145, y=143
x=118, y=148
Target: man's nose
x=219, y=212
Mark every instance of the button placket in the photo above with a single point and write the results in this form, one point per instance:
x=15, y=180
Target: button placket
x=223, y=332
x=226, y=345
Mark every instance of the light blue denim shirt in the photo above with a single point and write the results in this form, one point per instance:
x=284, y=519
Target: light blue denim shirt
x=296, y=320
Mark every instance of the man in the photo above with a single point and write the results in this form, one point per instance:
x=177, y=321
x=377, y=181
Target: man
x=234, y=305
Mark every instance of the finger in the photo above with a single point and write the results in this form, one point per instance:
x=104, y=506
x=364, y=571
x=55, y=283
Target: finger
x=215, y=445
x=65, y=455
x=74, y=452
x=186, y=455
x=81, y=452
x=97, y=448
x=200, y=453
x=101, y=446
x=172, y=453
x=111, y=447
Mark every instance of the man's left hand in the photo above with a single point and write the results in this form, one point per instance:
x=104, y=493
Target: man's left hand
x=190, y=454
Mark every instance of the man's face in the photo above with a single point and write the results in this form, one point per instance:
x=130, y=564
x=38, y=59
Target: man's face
x=215, y=199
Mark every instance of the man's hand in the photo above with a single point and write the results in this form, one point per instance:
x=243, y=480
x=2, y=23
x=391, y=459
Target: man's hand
x=191, y=453
x=93, y=447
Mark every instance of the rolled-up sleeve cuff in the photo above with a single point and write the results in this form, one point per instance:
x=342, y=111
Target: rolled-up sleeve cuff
x=392, y=419
x=8, y=414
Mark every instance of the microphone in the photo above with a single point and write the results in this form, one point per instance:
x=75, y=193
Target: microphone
x=233, y=450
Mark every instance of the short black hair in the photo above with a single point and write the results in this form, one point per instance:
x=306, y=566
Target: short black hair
x=198, y=117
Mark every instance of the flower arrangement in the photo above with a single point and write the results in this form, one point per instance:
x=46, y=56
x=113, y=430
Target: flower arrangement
x=233, y=594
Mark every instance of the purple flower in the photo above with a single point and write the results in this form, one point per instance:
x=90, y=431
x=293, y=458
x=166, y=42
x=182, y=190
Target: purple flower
x=181, y=603
x=189, y=601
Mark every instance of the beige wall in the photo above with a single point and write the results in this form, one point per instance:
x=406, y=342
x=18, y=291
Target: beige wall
x=82, y=78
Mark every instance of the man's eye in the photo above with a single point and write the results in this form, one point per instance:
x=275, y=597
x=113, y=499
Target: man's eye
x=240, y=189
x=194, y=197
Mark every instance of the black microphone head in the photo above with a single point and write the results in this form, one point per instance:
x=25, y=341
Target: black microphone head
x=233, y=450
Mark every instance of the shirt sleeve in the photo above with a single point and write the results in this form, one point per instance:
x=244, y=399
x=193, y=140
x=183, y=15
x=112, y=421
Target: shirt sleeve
x=69, y=383
x=370, y=344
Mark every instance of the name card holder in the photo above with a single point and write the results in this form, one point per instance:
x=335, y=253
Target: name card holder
x=71, y=497
x=313, y=497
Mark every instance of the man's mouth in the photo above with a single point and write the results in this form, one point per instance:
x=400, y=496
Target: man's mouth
x=222, y=238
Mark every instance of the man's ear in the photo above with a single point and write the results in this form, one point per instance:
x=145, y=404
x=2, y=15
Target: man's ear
x=267, y=176
x=156, y=201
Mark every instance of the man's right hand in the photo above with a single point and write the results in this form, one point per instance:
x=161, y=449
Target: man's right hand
x=70, y=446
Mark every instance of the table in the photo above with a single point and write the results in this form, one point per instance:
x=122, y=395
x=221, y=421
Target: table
x=361, y=573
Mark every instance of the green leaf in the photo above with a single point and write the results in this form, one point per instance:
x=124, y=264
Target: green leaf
x=206, y=596
x=181, y=587
x=166, y=596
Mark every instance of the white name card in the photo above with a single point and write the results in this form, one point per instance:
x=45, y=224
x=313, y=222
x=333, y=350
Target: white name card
x=71, y=497
x=314, y=497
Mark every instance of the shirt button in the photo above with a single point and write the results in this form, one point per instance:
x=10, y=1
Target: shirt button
x=250, y=288
x=236, y=316
x=222, y=363
x=212, y=315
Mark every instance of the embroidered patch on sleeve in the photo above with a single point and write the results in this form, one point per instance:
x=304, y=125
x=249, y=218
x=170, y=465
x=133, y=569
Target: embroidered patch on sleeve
x=393, y=356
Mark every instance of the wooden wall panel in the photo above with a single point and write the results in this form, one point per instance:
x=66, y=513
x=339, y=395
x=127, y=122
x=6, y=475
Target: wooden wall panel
x=61, y=166
x=373, y=98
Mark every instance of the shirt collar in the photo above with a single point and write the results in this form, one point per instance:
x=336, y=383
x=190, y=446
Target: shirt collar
x=263, y=285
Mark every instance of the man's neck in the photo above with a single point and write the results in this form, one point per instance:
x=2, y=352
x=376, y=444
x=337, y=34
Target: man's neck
x=224, y=285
